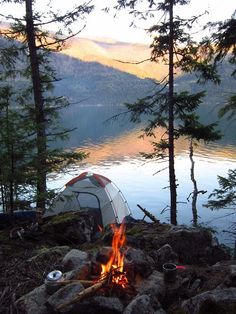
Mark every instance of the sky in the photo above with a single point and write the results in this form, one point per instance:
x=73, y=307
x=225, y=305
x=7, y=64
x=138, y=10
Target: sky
x=103, y=25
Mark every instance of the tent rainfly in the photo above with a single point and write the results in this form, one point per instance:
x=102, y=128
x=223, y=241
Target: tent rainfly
x=92, y=191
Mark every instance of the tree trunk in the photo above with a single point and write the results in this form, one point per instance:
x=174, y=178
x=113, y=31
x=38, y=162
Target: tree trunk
x=172, y=179
x=39, y=108
x=195, y=189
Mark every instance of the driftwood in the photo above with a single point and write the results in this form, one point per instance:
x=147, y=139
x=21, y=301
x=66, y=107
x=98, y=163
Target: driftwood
x=83, y=294
x=148, y=214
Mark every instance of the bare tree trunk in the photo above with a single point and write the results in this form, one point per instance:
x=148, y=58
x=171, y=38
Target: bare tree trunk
x=9, y=201
x=39, y=108
x=172, y=179
x=195, y=188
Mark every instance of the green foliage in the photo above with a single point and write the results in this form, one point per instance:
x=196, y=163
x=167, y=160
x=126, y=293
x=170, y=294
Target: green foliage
x=32, y=122
x=223, y=39
x=225, y=196
x=173, y=46
x=229, y=109
x=16, y=149
x=221, y=46
x=194, y=129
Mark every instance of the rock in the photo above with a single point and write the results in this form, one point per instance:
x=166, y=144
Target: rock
x=74, y=259
x=78, y=227
x=192, y=245
x=185, y=282
x=63, y=295
x=153, y=285
x=141, y=263
x=164, y=255
x=33, y=302
x=228, y=270
x=214, y=301
x=195, y=286
x=230, y=281
x=81, y=273
x=45, y=253
x=100, y=304
x=143, y=304
x=160, y=311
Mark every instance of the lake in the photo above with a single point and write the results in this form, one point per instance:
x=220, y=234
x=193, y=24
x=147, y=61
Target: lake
x=114, y=148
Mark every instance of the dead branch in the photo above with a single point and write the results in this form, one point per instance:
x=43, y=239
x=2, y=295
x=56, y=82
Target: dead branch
x=83, y=294
x=147, y=213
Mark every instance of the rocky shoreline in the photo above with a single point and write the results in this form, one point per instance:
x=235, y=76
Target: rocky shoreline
x=206, y=282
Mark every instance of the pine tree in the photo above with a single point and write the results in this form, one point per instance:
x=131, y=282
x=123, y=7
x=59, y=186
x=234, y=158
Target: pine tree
x=173, y=46
x=35, y=44
x=16, y=152
x=222, y=45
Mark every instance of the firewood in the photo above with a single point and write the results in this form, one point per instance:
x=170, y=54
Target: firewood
x=83, y=294
x=85, y=283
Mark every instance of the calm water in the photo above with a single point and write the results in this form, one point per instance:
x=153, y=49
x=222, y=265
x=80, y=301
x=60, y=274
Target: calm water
x=114, y=152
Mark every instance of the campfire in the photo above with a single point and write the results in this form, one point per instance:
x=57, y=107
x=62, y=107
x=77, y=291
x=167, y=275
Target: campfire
x=114, y=268
x=112, y=272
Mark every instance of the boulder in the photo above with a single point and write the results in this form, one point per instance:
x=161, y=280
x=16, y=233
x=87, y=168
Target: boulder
x=153, y=285
x=230, y=280
x=164, y=255
x=74, y=259
x=46, y=253
x=100, y=304
x=33, y=302
x=192, y=245
x=141, y=263
x=215, y=301
x=78, y=227
x=62, y=296
x=143, y=304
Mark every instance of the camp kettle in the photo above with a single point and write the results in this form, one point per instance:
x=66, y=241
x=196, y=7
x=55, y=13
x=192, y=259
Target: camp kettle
x=53, y=281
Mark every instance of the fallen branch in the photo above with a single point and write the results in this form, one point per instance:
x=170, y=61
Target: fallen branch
x=147, y=213
x=83, y=294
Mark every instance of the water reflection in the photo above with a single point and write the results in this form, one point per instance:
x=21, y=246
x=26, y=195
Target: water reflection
x=114, y=151
x=129, y=145
x=144, y=182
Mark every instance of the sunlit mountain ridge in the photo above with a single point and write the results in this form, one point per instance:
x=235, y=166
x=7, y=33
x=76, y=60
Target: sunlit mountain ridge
x=128, y=57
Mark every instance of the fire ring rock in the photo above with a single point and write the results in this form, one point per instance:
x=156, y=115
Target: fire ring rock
x=214, y=301
x=74, y=260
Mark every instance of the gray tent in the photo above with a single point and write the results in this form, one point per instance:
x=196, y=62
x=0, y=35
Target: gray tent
x=93, y=191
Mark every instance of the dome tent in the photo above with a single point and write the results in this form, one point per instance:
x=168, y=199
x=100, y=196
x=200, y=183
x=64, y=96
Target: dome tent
x=92, y=191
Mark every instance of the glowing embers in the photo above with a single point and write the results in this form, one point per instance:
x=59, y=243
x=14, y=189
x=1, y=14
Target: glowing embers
x=114, y=268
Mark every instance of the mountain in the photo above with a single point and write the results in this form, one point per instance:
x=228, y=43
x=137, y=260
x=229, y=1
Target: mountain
x=118, y=55
x=91, y=83
x=94, y=83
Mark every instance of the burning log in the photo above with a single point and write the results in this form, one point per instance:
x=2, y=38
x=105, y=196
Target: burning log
x=83, y=294
x=112, y=272
x=114, y=268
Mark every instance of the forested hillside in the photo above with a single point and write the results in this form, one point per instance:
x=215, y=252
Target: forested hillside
x=94, y=83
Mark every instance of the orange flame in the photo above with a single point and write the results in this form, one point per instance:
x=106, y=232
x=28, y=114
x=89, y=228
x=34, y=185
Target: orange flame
x=115, y=264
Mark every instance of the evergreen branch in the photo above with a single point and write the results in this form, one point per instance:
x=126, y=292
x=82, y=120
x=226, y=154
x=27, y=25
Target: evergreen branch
x=59, y=41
